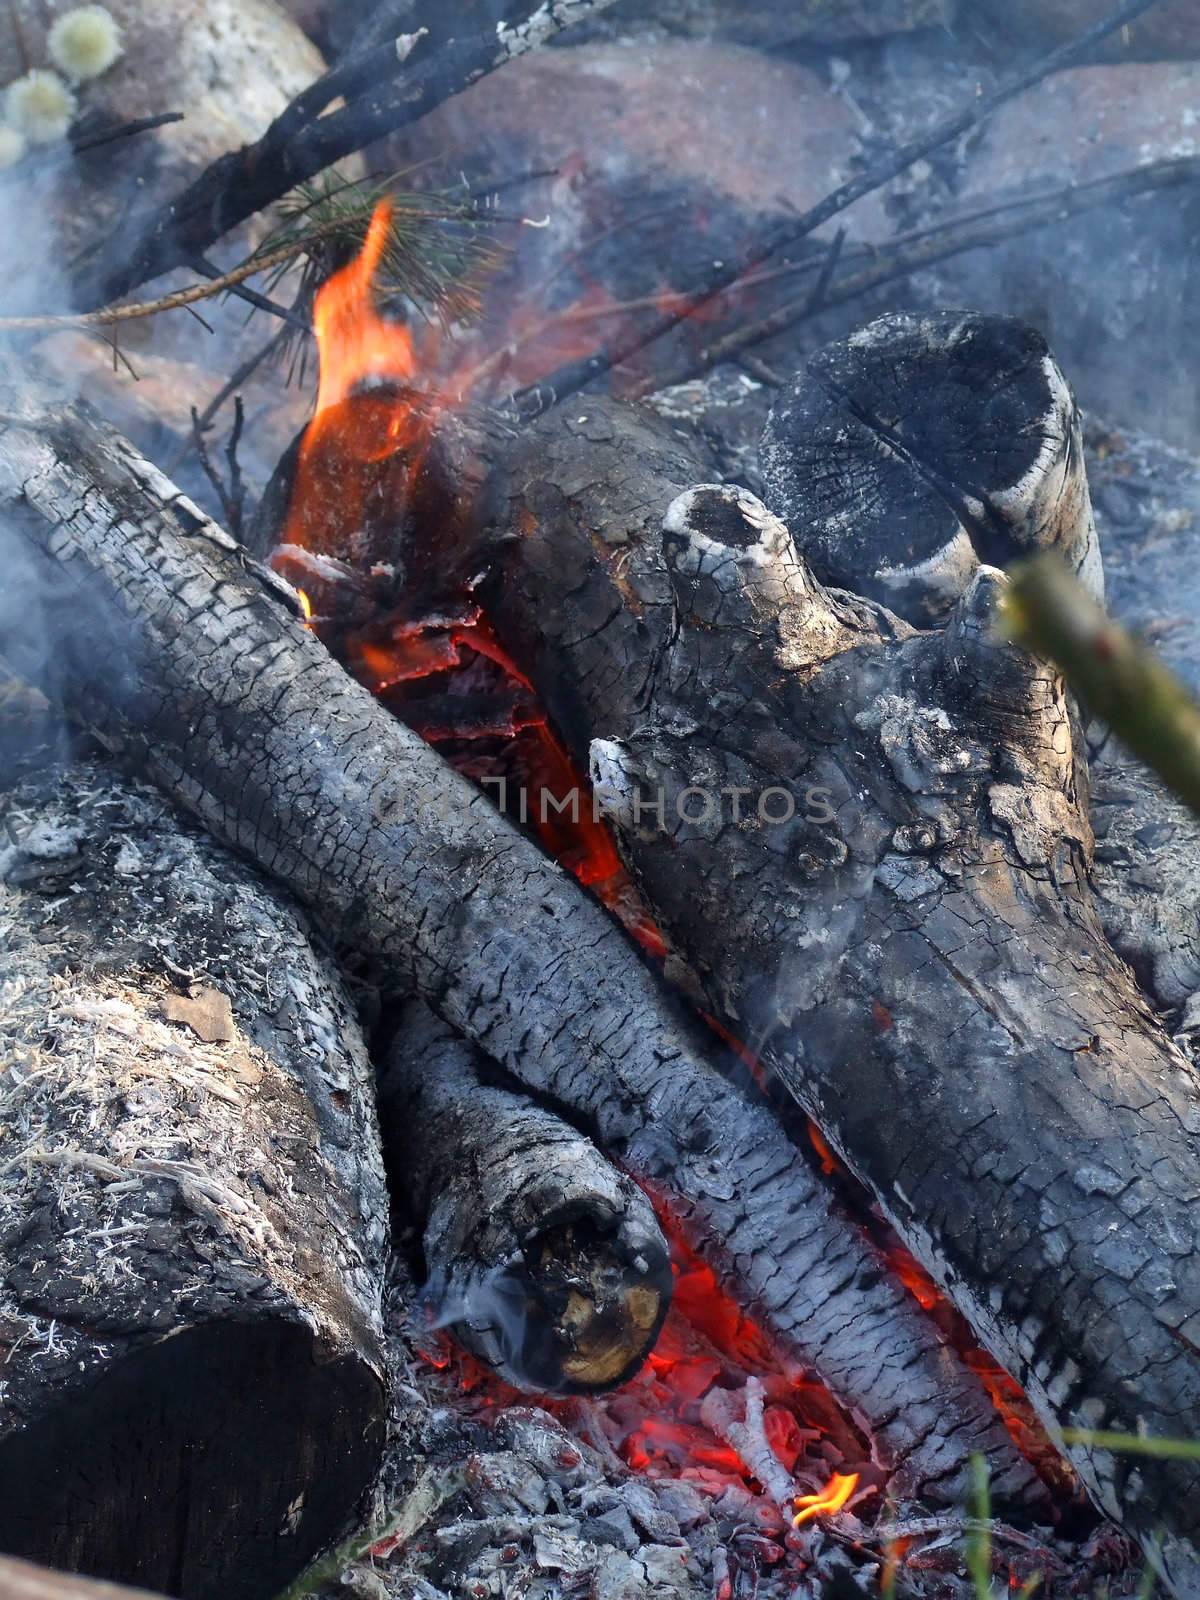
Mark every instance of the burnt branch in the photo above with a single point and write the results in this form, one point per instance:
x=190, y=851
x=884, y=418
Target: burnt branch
x=542, y=1258
x=901, y=257
x=383, y=93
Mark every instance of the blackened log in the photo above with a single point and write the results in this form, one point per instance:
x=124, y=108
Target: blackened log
x=899, y=917
x=544, y=1259
x=193, y=1221
x=177, y=650
x=904, y=456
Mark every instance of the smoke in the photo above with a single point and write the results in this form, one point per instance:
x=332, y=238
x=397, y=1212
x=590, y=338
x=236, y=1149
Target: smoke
x=489, y=1310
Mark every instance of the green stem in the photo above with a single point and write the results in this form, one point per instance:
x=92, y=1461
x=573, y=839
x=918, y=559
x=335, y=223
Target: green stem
x=1047, y=611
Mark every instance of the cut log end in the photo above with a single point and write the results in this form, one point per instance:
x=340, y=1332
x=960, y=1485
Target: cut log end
x=546, y=1261
x=191, y=1467
x=579, y=1311
x=956, y=441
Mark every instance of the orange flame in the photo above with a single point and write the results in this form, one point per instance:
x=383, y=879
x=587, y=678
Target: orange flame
x=306, y=608
x=831, y=1498
x=355, y=342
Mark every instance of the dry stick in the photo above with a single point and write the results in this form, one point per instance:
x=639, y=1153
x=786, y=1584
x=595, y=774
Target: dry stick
x=1119, y=679
x=233, y=383
x=260, y=302
x=536, y=398
x=177, y=299
x=922, y=249
x=123, y=130
x=243, y=182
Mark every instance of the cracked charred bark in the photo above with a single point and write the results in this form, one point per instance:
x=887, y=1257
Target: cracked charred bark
x=905, y=933
x=904, y=456
x=544, y=1259
x=179, y=652
x=193, y=1223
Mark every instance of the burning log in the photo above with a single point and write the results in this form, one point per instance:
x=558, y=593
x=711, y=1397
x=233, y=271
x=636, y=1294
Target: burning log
x=546, y=1261
x=897, y=915
x=955, y=440
x=192, y=1212
x=182, y=654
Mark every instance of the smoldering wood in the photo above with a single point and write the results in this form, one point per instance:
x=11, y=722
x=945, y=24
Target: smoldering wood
x=912, y=945
x=546, y=1261
x=193, y=1219
x=190, y=660
x=923, y=445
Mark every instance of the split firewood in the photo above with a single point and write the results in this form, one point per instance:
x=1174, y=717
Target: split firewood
x=193, y=1220
x=181, y=653
x=545, y=1260
x=921, y=446
x=872, y=844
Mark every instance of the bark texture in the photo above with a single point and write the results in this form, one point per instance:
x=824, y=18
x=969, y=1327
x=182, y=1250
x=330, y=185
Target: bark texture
x=546, y=1261
x=178, y=651
x=193, y=1221
x=872, y=845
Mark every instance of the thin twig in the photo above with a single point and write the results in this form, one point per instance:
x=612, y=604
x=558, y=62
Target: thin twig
x=230, y=387
x=122, y=130
x=232, y=496
x=179, y=297
x=909, y=254
x=260, y=302
x=532, y=400
x=237, y=486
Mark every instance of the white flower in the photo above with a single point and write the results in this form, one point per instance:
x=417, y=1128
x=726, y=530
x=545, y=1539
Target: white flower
x=40, y=106
x=85, y=42
x=12, y=146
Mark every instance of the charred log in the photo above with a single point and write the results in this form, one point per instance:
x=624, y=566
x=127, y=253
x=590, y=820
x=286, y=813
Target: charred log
x=546, y=1261
x=191, y=661
x=873, y=846
x=192, y=1213
x=903, y=457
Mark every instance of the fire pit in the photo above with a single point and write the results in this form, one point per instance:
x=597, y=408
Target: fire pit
x=567, y=1032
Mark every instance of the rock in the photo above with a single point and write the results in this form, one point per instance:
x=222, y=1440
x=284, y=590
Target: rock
x=666, y=157
x=678, y=114
x=1116, y=291
x=149, y=395
x=1170, y=28
x=229, y=65
x=315, y=17
x=773, y=22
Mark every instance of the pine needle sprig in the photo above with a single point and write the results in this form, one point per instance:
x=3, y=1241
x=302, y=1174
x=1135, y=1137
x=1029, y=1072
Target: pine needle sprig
x=436, y=258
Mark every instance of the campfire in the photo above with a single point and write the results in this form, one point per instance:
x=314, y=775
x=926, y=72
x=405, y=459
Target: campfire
x=580, y=1016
